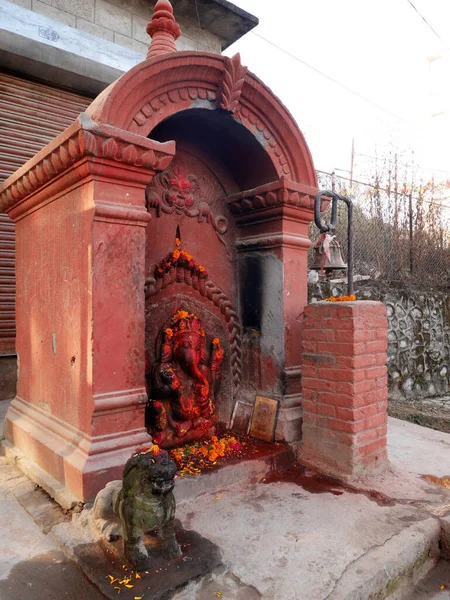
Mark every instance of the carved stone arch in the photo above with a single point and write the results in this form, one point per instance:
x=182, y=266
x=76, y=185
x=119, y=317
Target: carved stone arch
x=158, y=88
x=208, y=289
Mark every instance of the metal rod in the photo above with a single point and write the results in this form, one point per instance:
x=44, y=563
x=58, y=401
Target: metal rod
x=411, y=236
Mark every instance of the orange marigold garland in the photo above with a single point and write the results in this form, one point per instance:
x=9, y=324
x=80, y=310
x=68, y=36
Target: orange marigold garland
x=341, y=299
x=180, y=258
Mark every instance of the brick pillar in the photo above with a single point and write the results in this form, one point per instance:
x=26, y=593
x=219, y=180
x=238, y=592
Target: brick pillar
x=344, y=378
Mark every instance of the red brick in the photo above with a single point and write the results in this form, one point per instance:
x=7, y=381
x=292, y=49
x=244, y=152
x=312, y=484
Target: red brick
x=325, y=410
x=357, y=361
x=341, y=325
x=336, y=399
x=358, y=412
x=376, y=372
x=341, y=349
x=375, y=396
x=319, y=359
x=371, y=448
x=309, y=371
x=377, y=346
x=365, y=335
x=309, y=345
x=372, y=434
x=317, y=384
x=374, y=422
x=339, y=425
x=319, y=335
x=340, y=437
x=308, y=394
x=367, y=385
x=340, y=374
x=309, y=406
x=382, y=333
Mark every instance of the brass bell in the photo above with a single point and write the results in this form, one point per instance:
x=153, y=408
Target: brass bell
x=327, y=254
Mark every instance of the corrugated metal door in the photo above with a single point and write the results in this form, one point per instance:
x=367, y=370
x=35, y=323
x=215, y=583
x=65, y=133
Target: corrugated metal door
x=31, y=115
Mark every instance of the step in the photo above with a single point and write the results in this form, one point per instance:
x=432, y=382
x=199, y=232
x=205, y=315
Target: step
x=393, y=570
x=269, y=458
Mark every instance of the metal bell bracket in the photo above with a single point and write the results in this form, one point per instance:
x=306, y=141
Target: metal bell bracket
x=331, y=226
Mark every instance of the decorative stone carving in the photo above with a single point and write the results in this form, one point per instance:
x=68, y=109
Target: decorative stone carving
x=174, y=192
x=276, y=194
x=143, y=502
x=179, y=266
x=231, y=85
x=85, y=139
x=163, y=30
x=184, y=382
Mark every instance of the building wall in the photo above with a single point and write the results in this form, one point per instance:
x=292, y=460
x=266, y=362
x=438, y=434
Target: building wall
x=123, y=22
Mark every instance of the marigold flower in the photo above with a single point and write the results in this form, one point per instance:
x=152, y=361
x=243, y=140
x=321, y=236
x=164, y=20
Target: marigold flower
x=168, y=332
x=203, y=450
x=176, y=254
x=178, y=241
x=214, y=438
x=350, y=298
x=181, y=314
x=216, y=341
x=201, y=268
x=212, y=456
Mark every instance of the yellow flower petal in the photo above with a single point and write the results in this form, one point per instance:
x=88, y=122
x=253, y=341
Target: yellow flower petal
x=138, y=576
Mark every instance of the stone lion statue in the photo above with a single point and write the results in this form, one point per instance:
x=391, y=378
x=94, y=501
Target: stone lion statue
x=143, y=502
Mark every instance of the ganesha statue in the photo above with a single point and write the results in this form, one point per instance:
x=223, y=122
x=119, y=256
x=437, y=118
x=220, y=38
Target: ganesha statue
x=183, y=383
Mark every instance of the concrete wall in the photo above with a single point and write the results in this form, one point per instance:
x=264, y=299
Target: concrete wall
x=418, y=335
x=120, y=21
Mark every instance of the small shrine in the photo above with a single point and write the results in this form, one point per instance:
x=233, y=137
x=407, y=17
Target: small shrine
x=162, y=245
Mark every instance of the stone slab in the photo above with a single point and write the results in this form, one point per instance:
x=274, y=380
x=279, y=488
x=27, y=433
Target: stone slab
x=97, y=561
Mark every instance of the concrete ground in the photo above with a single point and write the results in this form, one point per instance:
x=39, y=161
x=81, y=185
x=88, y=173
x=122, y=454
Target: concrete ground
x=280, y=540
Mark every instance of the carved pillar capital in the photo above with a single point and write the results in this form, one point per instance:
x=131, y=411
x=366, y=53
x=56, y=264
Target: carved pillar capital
x=84, y=150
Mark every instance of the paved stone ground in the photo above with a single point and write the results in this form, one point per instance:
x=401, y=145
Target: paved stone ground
x=279, y=540
x=436, y=586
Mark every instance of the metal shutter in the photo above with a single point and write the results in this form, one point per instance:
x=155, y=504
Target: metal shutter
x=31, y=115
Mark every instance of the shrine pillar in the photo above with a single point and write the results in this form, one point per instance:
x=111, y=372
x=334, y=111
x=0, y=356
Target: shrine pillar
x=79, y=210
x=273, y=222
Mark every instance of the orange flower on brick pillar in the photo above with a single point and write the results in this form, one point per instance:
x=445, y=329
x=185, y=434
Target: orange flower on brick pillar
x=344, y=379
x=80, y=216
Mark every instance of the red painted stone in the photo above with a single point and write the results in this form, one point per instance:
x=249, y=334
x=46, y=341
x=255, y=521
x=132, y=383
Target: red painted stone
x=163, y=30
x=345, y=388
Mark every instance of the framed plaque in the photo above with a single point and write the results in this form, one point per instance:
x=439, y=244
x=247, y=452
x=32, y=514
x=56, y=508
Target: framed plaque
x=264, y=418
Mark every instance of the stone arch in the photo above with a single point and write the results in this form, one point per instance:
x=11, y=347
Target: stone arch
x=158, y=88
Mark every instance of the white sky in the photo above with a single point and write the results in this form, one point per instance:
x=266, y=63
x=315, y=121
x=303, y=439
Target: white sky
x=379, y=49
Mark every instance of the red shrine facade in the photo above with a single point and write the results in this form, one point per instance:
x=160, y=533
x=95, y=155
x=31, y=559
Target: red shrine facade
x=162, y=245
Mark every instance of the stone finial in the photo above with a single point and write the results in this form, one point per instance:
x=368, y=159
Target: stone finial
x=163, y=29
